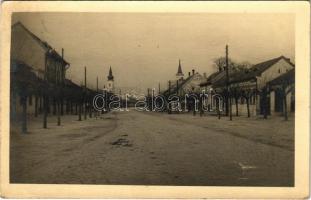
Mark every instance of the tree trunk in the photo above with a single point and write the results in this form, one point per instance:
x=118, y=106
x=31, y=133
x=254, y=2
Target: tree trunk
x=24, y=114
x=62, y=106
x=85, y=109
x=236, y=107
x=58, y=112
x=80, y=110
x=54, y=106
x=76, y=109
x=40, y=104
x=218, y=109
x=45, y=110
x=36, y=106
x=201, y=107
x=230, y=108
x=265, y=104
x=71, y=107
x=48, y=105
x=227, y=104
x=247, y=105
x=285, y=107
x=193, y=107
x=67, y=107
x=90, y=110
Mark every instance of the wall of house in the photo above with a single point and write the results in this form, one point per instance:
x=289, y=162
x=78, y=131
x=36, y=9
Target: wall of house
x=273, y=97
x=193, y=85
x=26, y=49
x=16, y=106
x=242, y=106
x=273, y=72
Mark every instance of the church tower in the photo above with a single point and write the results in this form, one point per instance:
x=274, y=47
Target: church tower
x=110, y=84
x=179, y=74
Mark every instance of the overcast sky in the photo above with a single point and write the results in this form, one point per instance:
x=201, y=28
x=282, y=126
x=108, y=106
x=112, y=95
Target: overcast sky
x=143, y=49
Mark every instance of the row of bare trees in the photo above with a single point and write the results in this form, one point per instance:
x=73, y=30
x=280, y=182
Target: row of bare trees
x=49, y=99
x=284, y=85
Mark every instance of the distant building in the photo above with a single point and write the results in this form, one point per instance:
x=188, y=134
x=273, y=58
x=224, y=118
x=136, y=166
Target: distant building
x=182, y=85
x=254, y=83
x=110, y=82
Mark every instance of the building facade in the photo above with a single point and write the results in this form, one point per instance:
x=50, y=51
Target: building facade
x=34, y=63
x=250, y=89
x=182, y=85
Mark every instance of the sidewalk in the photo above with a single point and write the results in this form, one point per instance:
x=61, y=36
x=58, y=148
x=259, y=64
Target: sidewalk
x=273, y=131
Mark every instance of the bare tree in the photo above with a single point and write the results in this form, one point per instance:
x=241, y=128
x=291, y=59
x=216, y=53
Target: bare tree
x=242, y=65
x=247, y=94
x=220, y=63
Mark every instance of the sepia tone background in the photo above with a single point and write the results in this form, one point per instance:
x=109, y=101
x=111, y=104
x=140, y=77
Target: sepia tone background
x=284, y=192
x=149, y=45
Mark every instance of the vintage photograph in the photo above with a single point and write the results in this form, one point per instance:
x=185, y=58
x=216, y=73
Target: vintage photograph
x=178, y=99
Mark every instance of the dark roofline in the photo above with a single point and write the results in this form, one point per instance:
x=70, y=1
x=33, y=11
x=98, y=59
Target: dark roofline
x=180, y=85
x=289, y=77
x=259, y=68
x=209, y=78
x=174, y=89
x=251, y=73
x=45, y=45
x=42, y=43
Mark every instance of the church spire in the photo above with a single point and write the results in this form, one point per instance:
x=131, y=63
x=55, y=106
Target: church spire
x=179, y=71
x=110, y=76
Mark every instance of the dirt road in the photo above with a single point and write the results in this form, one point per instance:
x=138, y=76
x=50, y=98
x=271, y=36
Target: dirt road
x=146, y=148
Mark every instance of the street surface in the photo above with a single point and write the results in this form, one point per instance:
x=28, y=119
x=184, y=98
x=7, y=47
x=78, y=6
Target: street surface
x=146, y=148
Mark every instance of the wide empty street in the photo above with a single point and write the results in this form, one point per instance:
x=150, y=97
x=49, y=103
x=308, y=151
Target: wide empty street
x=148, y=148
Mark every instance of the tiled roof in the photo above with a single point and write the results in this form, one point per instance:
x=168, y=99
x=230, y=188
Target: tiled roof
x=42, y=43
x=263, y=66
x=249, y=74
x=180, y=84
x=288, y=77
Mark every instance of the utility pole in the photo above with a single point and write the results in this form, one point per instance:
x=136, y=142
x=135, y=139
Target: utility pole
x=45, y=95
x=148, y=98
x=120, y=98
x=228, y=98
x=152, y=99
x=24, y=110
x=60, y=84
x=159, y=89
x=169, y=94
x=84, y=99
x=227, y=82
x=62, y=79
x=97, y=84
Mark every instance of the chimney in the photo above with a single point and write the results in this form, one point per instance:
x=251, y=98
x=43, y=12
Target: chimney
x=189, y=74
x=193, y=72
x=204, y=75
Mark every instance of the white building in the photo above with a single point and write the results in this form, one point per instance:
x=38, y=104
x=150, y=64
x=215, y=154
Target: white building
x=182, y=85
x=250, y=87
